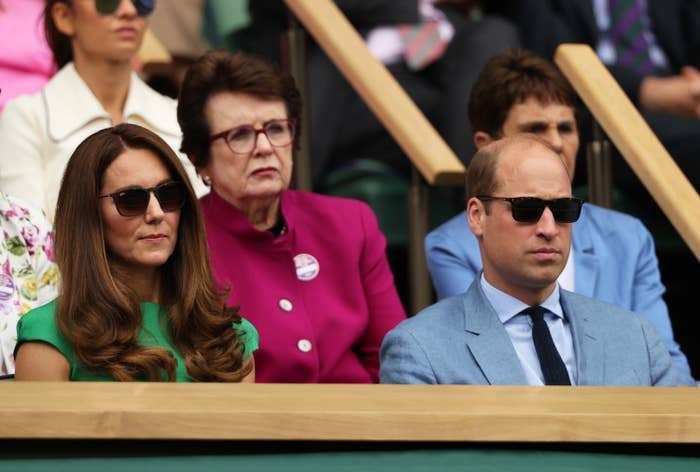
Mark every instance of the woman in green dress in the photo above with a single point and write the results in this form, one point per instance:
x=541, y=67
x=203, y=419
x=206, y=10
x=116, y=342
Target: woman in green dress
x=137, y=298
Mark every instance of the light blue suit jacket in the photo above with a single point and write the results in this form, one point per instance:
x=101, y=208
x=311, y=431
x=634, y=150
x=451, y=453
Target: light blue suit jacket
x=614, y=261
x=460, y=340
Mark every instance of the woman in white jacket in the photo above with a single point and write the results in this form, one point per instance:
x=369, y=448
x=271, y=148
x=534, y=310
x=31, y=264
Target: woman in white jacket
x=93, y=42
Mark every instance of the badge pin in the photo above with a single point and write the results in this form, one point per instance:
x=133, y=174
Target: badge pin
x=307, y=267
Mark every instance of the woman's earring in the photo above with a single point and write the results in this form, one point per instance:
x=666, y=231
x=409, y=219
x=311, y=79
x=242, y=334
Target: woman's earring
x=207, y=180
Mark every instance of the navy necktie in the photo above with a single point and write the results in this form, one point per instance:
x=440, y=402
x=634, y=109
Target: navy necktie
x=553, y=368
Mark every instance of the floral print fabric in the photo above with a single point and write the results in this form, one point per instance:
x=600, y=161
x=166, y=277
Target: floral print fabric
x=28, y=276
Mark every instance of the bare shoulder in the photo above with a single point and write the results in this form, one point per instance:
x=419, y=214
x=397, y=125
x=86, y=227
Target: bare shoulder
x=38, y=360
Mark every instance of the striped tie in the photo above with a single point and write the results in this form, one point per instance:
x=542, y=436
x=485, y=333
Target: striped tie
x=627, y=36
x=423, y=44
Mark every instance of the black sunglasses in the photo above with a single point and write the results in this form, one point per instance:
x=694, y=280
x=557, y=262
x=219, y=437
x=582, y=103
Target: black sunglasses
x=134, y=201
x=530, y=209
x=108, y=7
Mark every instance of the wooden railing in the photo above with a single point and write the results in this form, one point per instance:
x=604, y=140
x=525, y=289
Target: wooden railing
x=634, y=138
x=348, y=412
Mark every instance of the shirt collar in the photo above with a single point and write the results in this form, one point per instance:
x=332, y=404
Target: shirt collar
x=507, y=306
x=70, y=105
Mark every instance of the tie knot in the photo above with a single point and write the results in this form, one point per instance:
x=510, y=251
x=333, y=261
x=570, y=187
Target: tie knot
x=535, y=312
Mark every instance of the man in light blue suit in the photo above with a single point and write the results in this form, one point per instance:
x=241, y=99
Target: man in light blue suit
x=515, y=325
x=613, y=257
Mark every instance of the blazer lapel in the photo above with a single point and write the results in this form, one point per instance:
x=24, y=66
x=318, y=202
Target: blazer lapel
x=586, y=261
x=488, y=340
x=588, y=344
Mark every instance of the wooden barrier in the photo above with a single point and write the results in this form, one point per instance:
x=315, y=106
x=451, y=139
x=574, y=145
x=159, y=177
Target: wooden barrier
x=152, y=50
x=636, y=141
x=80, y=410
x=384, y=96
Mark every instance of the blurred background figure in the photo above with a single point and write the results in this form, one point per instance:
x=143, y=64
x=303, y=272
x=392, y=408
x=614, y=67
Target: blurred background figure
x=309, y=271
x=138, y=300
x=26, y=63
x=651, y=47
x=93, y=43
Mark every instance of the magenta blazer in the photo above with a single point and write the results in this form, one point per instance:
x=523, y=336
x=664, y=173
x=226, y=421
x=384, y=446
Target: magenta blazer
x=321, y=295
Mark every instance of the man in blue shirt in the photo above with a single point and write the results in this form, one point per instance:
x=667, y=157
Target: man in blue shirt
x=612, y=258
x=515, y=325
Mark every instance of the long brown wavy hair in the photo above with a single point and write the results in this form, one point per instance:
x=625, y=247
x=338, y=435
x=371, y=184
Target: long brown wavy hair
x=98, y=311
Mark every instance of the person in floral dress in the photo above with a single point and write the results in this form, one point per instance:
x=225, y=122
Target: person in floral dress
x=28, y=276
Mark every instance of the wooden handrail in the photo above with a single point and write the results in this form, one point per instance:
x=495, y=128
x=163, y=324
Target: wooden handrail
x=384, y=96
x=348, y=412
x=152, y=50
x=634, y=138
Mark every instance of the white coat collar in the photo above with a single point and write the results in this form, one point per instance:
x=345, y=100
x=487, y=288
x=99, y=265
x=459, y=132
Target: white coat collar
x=70, y=105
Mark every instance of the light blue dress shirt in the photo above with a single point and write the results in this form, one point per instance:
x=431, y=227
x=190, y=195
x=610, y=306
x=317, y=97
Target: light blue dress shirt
x=519, y=329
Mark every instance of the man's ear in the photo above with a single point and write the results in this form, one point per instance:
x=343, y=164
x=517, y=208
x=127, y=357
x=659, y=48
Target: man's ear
x=475, y=216
x=481, y=139
x=62, y=15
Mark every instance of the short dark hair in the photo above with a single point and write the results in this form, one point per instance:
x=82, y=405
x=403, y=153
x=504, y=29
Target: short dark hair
x=481, y=172
x=512, y=77
x=218, y=71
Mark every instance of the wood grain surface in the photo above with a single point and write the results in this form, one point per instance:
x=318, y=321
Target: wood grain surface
x=348, y=412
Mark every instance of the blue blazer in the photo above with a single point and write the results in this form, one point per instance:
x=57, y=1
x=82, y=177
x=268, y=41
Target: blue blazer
x=460, y=340
x=614, y=261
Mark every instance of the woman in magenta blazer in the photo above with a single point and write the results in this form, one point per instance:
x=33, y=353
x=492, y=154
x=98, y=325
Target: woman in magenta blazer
x=309, y=271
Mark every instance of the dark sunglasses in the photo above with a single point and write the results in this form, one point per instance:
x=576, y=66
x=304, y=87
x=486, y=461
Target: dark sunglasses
x=530, y=209
x=134, y=201
x=108, y=7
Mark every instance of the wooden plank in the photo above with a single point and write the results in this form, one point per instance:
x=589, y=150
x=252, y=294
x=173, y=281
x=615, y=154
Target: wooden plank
x=348, y=412
x=384, y=96
x=634, y=138
x=152, y=50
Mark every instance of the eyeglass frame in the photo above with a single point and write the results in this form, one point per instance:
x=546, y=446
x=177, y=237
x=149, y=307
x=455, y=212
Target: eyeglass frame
x=292, y=123
x=149, y=191
x=141, y=9
x=547, y=204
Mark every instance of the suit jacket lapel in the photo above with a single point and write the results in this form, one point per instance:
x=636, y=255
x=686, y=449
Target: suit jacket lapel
x=488, y=340
x=588, y=344
x=586, y=262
